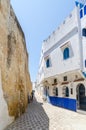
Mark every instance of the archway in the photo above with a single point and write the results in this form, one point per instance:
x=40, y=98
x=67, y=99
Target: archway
x=81, y=98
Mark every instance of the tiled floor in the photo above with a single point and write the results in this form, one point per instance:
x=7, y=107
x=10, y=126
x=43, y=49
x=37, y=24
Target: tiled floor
x=43, y=116
x=35, y=118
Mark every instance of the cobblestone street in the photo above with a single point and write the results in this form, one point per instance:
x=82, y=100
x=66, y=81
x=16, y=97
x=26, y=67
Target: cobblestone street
x=43, y=116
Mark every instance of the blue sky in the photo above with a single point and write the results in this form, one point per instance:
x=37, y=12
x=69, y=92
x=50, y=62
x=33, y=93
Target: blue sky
x=38, y=19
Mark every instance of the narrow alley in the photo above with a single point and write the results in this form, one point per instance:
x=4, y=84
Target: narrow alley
x=43, y=116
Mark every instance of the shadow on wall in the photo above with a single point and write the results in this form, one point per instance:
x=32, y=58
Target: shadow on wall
x=35, y=118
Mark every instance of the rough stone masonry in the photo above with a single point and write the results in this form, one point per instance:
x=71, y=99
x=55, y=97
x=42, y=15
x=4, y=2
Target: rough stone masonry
x=15, y=83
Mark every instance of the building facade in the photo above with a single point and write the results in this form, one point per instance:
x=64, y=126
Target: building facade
x=62, y=67
x=15, y=83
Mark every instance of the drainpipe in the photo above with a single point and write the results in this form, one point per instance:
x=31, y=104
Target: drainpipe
x=80, y=38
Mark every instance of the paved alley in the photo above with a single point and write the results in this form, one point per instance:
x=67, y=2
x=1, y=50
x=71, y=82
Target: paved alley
x=44, y=116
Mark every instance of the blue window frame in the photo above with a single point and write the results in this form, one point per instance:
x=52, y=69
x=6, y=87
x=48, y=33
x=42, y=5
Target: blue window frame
x=47, y=63
x=84, y=74
x=66, y=53
x=81, y=13
x=85, y=10
x=84, y=32
x=85, y=63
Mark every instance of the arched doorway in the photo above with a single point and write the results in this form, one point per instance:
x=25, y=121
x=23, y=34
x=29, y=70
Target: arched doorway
x=81, y=98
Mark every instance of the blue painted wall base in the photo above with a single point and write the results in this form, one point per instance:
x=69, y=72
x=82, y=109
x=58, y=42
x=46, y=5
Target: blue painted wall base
x=63, y=102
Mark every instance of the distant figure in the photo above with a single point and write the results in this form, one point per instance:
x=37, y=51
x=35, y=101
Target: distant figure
x=32, y=94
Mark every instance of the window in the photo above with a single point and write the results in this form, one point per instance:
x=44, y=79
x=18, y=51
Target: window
x=55, y=81
x=56, y=91
x=84, y=32
x=66, y=53
x=84, y=74
x=65, y=78
x=85, y=63
x=81, y=13
x=71, y=90
x=67, y=92
x=85, y=10
x=47, y=63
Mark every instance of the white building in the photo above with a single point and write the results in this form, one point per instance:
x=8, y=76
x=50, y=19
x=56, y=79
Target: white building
x=62, y=68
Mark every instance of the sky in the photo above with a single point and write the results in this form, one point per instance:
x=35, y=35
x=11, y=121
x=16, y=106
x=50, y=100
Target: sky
x=38, y=19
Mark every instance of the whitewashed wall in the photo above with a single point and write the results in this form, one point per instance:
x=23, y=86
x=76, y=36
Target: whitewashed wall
x=83, y=25
x=69, y=24
x=58, y=65
x=68, y=32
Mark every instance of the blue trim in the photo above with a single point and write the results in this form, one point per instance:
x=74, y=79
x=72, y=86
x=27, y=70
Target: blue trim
x=84, y=32
x=47, y=63
x=64, y=102
x=85, y=10
x=66, y=53
x=81, y=13
x=84, y=73
x=78, y=4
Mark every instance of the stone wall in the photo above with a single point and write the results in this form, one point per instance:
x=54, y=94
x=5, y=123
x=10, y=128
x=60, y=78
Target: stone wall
x=15, y=78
